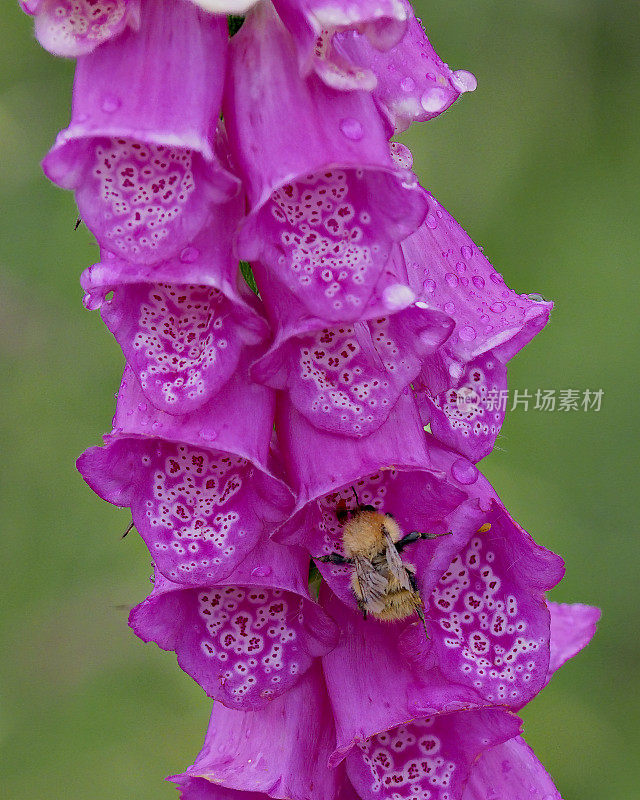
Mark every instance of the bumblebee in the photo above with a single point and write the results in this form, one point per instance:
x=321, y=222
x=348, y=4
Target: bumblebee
x=384, y=585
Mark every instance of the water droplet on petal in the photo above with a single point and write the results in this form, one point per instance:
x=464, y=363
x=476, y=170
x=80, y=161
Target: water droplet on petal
x=91, y=301
x=466, y=252
x=464, y=81
x=261, y=572
x=407, y=84
x=434, y=100
x=142, y=406
x=498, y=307
x=449, y=308
x=397, y=297
x=464, y=471
x=478, y=282
x=496, y=277
x=537, y=298
x=431, y=222
x=189, y=255
x=210, y=434
x=451, y=279
x=467, y=333
x=351, y=128
x=110, y=104
x=429, y=286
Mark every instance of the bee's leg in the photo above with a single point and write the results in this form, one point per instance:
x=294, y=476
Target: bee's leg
x=362, y=606
x=335, y=558
x=410, y=538
x=418, y=601
x=414, y=536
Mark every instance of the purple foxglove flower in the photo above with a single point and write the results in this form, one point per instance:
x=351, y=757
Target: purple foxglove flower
x=201, y=489
x=183, y=323
x=487, y=618
x=412, y=732
x=411, y=81
x=492, y=323
x=247, y=639
x=347, y=379
x=76, y=27
x=280, y=751
x=511, y=771
x=393, y=470
x=140, y=152
x=314, y=24
x=327, y=200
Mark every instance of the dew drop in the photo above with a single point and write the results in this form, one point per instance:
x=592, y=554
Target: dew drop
x=189, y=255
x=467, y=333
x=429, y=286
x=451, y=279
x=397, y=297
x=498, y=307
x=209, y=434
x=91, y=301
x=478, y=282
x=537, y=298
x=407, y=84
x=496, y=277
x=431, y=222
x=351, y=128
x=449, y=308
x=461, y=266
x=142, y=406
x=464, y=81
x=110, y=104
x=261, y=572
x=466, y=252
x=464, y=471
x=434, y=100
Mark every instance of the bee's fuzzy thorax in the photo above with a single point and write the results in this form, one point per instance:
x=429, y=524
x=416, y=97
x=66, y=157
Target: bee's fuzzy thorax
x=364, y=533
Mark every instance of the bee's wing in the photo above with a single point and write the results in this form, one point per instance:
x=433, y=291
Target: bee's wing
x=395, y=565
x=373, y=585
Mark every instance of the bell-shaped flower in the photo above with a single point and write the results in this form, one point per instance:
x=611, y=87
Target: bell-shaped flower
x=412, y=83
x=247, y=639
x=511, y=771
x=460, y=387
x=315, y=25
x=200, y=487
x=280, y=751
x=487, y=618
x=182, y=323
x=327, y=200
x=140, y=152
x=392, y=470
x=76, y=27
x=346, y=378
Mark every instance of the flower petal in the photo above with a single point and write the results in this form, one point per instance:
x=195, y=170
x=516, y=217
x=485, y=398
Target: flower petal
x=200, y=490
x=393, y=470
x=327, y=200
x=572, y=628
x=509, y=771
x=347, y=379
x=468, y=416
x=280, y=751
x=248, y=639
x=75, y=27
x=412, y=82
x=314, y=24
x=487, y=617
x=449, y=273
x=427, y=758
x=140, y=151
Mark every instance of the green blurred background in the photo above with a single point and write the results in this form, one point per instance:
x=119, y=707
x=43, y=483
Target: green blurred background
x=541, y=166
